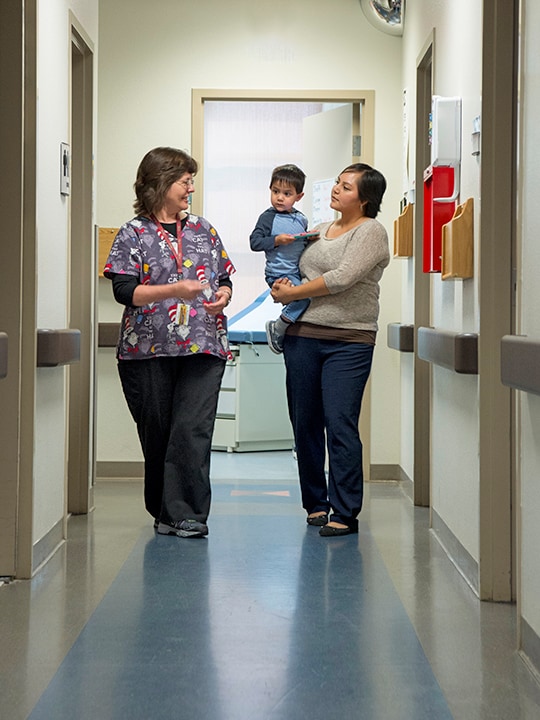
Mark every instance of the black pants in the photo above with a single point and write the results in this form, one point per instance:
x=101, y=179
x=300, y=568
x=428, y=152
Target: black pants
x=173, y=402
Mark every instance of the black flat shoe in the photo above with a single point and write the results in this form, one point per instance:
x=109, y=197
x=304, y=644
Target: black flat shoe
x=318, y=520
x=329, y=531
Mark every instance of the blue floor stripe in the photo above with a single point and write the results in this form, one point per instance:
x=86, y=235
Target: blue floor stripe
x=264, y=620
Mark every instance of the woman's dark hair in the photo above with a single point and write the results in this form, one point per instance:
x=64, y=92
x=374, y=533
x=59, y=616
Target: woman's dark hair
x=157, y=171
x=371, y=186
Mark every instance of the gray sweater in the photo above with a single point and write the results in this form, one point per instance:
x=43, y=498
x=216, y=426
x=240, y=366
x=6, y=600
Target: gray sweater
x=351, y=265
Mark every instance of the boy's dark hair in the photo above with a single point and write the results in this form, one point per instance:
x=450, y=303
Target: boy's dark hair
x=289, y=174
x=371, y=186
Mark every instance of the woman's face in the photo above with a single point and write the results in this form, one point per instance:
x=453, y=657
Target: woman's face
x=345, y=193
x=177, y=196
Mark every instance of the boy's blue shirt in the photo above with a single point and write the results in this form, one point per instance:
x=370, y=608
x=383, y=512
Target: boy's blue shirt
x=282, y=260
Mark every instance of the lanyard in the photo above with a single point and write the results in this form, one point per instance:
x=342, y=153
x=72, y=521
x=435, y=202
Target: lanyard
x=164, y=235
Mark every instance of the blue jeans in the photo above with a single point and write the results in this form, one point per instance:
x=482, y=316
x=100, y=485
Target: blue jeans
x=293, y=310
x=325, y=385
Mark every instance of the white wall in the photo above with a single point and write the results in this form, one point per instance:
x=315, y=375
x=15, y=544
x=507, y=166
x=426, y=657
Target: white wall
x=528, y=450
x=153, y=54
x=53, y=127
x=457, y=66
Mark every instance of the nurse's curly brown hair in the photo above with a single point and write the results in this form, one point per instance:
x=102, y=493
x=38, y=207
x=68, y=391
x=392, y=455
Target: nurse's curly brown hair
x=158, y=170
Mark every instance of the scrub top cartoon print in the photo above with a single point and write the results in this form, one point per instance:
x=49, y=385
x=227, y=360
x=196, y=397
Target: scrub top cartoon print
x=172, y=327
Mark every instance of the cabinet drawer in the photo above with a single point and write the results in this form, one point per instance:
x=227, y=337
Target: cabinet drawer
x=226, y=403
x=224, y=434
x=229, y=377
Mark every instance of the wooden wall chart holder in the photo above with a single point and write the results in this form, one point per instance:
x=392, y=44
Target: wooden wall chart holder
x=403, y=233
x=457, y=243
x=106, y=236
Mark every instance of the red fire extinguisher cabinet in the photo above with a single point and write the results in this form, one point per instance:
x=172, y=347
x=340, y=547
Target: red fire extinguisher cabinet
x=438, y=183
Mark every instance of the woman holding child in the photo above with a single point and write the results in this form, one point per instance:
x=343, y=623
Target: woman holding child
x=328, y=352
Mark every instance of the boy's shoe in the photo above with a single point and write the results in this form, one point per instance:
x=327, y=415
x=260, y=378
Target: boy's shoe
x=273, y=338
x=183, y=528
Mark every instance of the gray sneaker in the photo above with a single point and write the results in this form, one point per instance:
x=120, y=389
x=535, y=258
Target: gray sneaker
x=183, y=528
x=273, y=338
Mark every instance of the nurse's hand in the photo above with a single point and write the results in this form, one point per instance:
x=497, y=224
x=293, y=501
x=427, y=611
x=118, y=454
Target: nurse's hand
x=187, y=289
x=221, y=301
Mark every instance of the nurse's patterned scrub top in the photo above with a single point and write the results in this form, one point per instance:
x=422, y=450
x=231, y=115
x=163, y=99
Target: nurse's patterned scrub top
x=172, y=327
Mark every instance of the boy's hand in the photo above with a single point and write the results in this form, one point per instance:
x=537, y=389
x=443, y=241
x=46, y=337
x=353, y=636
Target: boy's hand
x=284, y=239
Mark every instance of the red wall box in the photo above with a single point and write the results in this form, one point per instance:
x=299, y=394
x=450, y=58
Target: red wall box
x=438, y=183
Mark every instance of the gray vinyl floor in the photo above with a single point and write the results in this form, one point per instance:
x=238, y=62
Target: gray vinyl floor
x=263, y=620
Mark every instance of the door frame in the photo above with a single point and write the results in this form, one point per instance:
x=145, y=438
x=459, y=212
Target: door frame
x=199, y=96
x=81, y=460
x=422, y=282
x=497, y=244
x=18, y=141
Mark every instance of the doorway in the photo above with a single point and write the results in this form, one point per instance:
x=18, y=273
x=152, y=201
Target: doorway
x=422, y=285
x=497, y=298
x=360, y=148
x=18, y=99
x=266, y=108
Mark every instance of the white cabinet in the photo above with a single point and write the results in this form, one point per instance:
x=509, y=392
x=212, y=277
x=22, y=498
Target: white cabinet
x=252, y=409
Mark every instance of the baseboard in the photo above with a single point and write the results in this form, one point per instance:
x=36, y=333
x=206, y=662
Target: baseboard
x=530, y=648
x=460, y=557
x=119, y=470
x=381, y=473
x=47, y=546
x=112, y=470
x=392, y=473
x=464, y=562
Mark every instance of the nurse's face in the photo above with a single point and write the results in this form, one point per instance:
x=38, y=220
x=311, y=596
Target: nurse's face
x=177, y=197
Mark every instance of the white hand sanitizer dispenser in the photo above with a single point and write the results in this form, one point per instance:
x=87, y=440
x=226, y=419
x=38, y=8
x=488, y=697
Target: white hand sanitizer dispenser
x=446, y=138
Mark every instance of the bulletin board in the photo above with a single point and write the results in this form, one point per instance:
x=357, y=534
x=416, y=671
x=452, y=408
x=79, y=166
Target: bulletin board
x=322, y=192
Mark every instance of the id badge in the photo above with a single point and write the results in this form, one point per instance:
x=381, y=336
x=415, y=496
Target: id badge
x=182, y=314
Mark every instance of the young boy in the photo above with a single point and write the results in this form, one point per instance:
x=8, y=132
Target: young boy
x=279, y=233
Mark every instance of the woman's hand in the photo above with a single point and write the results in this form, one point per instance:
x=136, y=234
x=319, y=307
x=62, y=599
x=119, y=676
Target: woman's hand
x=282, y=291
x=223, y=296
x=187, y=289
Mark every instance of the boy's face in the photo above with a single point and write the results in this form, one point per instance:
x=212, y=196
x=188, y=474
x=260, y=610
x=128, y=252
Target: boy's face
x=283, y=196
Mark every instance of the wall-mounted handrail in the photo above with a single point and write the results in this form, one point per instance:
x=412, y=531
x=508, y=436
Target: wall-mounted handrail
x=108, y=334
x=520, y=363
x=3, y=354
x=400, y=337
x=58, y=347
x=455, y=351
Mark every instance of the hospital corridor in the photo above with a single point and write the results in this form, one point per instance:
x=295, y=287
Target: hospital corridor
x=147, y=149
x=264, y=619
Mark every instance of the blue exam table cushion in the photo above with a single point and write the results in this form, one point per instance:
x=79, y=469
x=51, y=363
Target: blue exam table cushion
x=248, y=325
